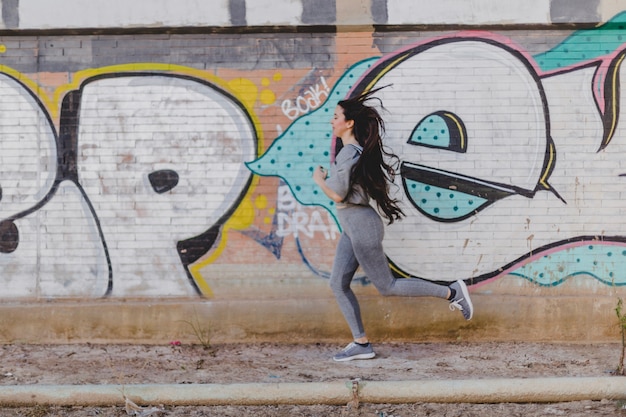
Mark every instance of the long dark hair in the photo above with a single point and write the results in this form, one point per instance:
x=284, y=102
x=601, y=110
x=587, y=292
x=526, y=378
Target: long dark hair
x=371, y=171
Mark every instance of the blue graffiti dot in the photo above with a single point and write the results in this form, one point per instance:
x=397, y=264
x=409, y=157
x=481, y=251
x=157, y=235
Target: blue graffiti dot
x=541, y=275
x=328, y=135
x=326, y=153
x=425, y=130
x=438, y=194
x=326, y=110
x=595, y=262
x=419, y=138
x=609, y=254
x=311, y=146
x=315, y=192
x=436, y=210
x=307, y=123
x=298, y=188
x=624, y=253
x=292, y=133
x=413, y=186
x=470, y=202
x=288, y=165
x=351, y=75
x=424, y=201
x=611, y=274
x=455, y=208
x=578, y=260
x=427, y=188
x=590, y=247
x=272, y=161
x=435, y=137
x=300, y=153
x=451, y=196
x=279, y=148
x=311, y=169
x=442, y=131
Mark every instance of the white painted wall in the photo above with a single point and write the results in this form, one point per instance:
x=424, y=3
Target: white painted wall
x=41, y=14
x=468, y=12
x=97, y=14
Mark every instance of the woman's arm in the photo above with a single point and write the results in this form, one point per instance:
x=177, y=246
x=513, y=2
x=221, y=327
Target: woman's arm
x=319, y=176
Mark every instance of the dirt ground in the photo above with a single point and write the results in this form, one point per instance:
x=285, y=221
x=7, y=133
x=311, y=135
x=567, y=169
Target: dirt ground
x=242, y=363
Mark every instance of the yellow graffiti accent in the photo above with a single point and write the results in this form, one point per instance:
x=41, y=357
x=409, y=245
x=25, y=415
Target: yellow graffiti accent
x=3, y=48
x=549, y=165
x=243, y=217
x=614, y=100
x=265, y=82
x=261, y=202
x=278, y=76
x=50, y=105
x=203, y=286
x=245, y=89
x=388, y=68
x=398, y=271
x=267, y=97
x=272, y=212
x=459, y=129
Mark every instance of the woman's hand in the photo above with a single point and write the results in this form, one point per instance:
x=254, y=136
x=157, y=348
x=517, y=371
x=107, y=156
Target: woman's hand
x=319, y=175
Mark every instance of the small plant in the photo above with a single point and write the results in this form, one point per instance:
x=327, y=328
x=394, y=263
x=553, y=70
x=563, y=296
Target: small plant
x=202, y=333
x=622, y=326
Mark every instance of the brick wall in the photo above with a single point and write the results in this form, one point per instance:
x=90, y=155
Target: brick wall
x=178, y=163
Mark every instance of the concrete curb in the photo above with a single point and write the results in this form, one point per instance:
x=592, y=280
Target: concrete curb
x=335, y=392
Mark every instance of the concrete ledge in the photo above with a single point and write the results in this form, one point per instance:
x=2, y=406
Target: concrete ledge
x=498, y=317
x=336, y=392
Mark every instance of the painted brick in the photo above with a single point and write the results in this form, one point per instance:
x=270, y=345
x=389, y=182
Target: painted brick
x=187, y=137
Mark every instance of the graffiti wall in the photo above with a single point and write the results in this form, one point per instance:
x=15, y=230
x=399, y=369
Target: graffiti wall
x=181, y=165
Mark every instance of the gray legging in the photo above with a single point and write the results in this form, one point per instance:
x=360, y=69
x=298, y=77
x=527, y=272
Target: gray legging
x=361, y=244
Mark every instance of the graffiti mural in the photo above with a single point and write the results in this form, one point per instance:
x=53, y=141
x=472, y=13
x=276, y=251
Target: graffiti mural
x=141, y=160
x=134, y=180
x=506, y=159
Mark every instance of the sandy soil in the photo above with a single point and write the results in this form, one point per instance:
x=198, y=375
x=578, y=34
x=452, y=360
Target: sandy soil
x=172, y=364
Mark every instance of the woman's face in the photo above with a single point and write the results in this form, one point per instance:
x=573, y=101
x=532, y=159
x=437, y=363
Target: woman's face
x=340, y=125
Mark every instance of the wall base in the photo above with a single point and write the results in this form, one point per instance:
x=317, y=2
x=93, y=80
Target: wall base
x=497, y=318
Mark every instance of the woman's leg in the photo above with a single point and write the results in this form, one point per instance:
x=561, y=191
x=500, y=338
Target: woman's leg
x=344, y=267
x=367, y=245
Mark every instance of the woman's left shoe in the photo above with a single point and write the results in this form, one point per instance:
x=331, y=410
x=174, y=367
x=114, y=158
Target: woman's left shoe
x=355, y=351
x=461, y=300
